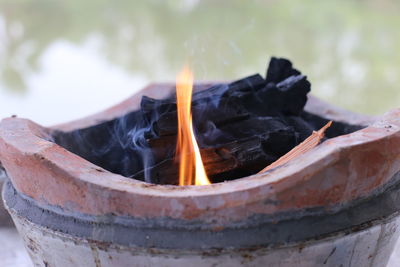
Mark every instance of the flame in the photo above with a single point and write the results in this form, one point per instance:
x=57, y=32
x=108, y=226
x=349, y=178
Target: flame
x=191, y=168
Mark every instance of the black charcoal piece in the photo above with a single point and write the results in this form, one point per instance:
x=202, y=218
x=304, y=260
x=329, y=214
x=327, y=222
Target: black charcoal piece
x=245, y=154
x=241, y=127
x=294, y=92
x=279, y=69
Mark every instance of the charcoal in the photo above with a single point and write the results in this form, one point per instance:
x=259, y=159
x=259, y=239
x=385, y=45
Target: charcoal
x=236, y=104
x=294, y=92
x=280, y=69
x=302, y=128
x=246, y=153
x=167, y=123
x=337, y=128
x=206, y=98
x=264, y=110
x=164, y=146
x=245, y=86
x=285, y=98
x=280, y=142
x=240, y=128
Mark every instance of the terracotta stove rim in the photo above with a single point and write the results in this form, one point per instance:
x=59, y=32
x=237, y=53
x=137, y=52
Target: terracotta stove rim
x=68, y=178
x=121, y=183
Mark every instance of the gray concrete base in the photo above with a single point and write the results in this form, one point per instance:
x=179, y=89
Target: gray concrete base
x=368, y=247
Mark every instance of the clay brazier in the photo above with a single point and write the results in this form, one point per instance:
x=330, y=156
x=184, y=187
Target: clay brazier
x=336, y=205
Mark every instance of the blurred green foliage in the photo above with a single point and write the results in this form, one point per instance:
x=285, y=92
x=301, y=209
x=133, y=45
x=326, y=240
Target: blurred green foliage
x=347, y=47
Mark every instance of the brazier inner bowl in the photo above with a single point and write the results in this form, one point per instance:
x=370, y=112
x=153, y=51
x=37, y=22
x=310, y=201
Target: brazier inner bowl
x=342, y=191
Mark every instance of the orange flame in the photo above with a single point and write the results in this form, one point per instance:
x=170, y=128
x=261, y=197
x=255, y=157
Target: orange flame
x=191, y=168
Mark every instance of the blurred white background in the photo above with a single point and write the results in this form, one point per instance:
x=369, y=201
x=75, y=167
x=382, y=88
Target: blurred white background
x=62, y=60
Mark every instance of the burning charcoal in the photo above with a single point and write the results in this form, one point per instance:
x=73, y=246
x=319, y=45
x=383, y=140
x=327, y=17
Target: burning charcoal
x=167, y=123
x=206, y=98
x=286, y=98
x=157, y=106
x=115, y=145
x=163, y=146
x=225, y=113
x=216, y=160
x=222, y=161
x=240, y=127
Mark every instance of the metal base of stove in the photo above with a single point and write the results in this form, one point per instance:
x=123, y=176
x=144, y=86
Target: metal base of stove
x=371, y=246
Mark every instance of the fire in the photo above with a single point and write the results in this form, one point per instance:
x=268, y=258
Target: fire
x=191, y=168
